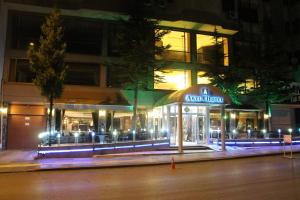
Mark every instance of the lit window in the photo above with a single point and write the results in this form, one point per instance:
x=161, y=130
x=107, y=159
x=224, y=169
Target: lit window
x=205, y=45
x=202, y=79
x=179, y=46
x=248, y=85
x=174, y=79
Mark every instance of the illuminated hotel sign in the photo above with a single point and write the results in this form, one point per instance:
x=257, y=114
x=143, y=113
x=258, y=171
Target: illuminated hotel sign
x=204, y=97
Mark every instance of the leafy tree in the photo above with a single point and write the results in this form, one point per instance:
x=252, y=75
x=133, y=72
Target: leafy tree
x=47, y=61
x=138, y=40
x=272, y=75
x=227, y=78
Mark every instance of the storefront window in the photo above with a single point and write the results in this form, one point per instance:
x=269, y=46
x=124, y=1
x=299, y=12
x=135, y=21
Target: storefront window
x=77, y=122
x=206, y=46
x=180, y=46
x=174, y=79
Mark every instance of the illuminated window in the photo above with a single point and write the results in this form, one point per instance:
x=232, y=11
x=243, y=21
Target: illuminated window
x=248, y=85
x=205, y=47
x=174, y=79
x=202, y=79
x=180, y=46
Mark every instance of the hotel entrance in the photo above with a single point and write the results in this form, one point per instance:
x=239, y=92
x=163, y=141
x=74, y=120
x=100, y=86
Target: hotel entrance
x=192, y=116
x=195, y=125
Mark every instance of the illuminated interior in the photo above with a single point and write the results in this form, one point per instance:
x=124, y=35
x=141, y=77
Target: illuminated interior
x=248, y=85
x=77, y=121
x=179, y=46
x=201, y=79
x=205, y=44
x=174, y=79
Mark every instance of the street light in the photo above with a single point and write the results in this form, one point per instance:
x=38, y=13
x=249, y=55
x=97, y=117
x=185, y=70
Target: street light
x=218, y=131
x=233, y=133
x=264, y=131
x=151, y=133
x=279, y=133
x=290, y=130
x=93, y=137
x=76, y=137
x=115, y=133
x=58, y=138
x=249, y=133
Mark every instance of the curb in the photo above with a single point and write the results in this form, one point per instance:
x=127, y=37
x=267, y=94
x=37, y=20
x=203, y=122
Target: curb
x=121, y=165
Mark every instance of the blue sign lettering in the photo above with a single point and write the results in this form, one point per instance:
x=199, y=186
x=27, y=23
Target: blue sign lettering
x=204, y=98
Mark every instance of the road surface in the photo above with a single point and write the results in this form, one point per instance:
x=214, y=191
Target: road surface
x=270, y=177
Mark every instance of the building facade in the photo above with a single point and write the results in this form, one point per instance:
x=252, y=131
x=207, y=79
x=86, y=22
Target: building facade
x=93, y=108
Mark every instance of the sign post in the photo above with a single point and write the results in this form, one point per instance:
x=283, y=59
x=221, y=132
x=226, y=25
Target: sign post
x=287, y=139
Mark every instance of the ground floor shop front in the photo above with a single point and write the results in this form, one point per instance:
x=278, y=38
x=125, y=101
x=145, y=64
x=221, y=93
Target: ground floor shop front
x=192, y=117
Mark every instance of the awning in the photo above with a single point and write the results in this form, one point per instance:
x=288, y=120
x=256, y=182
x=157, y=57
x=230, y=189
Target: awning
x=244, y=107
x=199, y=94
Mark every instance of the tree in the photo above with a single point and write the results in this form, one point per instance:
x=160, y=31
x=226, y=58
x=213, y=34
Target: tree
x=137, y=39
x=47, y=61
x=227, y=78
x=272, y=75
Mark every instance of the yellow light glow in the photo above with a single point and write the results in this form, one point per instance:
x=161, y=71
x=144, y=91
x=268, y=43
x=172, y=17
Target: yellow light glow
x=3, y=110
x=174, y=79
x=226, y=52
x=179, y=41
x=48, y=111
x=102, y=113
x=205, y=44
x=266, y=116
x=201, y=79
x=232, y=115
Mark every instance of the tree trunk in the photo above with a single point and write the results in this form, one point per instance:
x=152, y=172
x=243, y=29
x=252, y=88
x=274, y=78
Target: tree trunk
x=134, y=117
x=268, y=111
x=50, y=119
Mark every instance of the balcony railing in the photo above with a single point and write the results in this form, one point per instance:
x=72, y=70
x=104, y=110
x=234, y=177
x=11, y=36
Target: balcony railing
x=171, y=55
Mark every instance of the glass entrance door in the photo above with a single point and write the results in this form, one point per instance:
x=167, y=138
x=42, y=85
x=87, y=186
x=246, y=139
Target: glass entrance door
x=194, y=125
x=193, y=129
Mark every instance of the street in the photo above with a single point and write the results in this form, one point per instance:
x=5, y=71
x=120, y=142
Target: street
x=271, y=177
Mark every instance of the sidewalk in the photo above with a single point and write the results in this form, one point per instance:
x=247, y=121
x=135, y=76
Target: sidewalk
x=22, y=161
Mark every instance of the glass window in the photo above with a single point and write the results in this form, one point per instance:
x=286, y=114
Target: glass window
x=81, y=35
x=83, y=74
x=113, y=42
x=78, y=73
x=174, y=79
x=180, y=46
x=248, y=85
x=205, y=48
x=20, y=71
x=202, y=79
x=24, y=28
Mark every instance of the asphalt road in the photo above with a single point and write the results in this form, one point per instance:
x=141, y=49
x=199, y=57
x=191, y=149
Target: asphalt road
x=270, y=177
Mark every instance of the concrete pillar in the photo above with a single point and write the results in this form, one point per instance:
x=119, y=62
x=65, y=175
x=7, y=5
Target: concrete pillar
x=207, y=125
x=223, y=128
x=193, y=47
x=232, y=122
x=3, y=25
x=168, y=128
x=104, y=39
x=194, y=76
x=179, y=128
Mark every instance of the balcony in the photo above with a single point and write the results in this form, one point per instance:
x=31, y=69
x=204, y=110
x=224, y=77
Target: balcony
x=179, y=56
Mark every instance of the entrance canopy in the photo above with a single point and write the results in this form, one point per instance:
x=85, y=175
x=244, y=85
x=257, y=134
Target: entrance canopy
x=200, y=94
